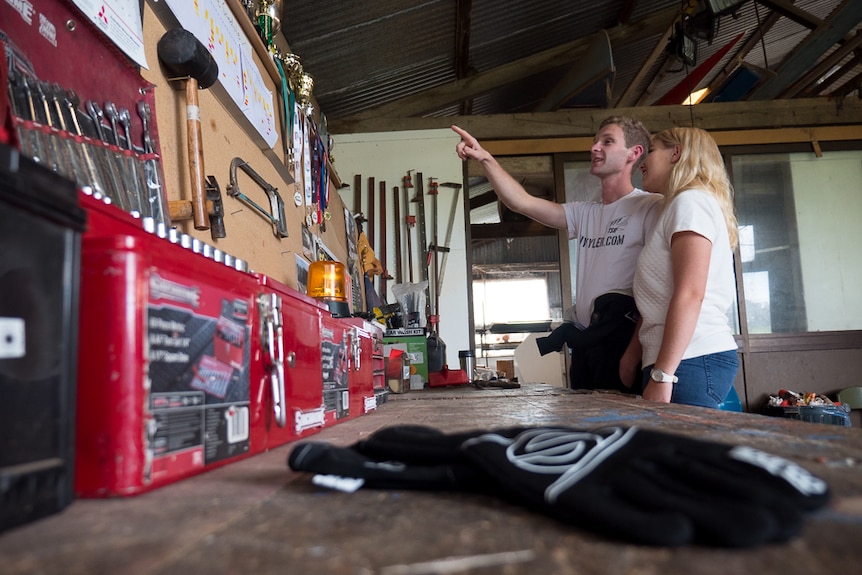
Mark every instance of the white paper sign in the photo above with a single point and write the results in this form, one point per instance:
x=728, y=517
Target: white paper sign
x=214, y=25
x=120, y=21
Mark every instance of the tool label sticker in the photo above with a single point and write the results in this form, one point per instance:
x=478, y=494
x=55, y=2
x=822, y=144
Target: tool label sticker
x=334, y=348
x=12, y=337
x=198, y=350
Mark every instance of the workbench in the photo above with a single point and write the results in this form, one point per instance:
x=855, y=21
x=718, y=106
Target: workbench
x=257, y=516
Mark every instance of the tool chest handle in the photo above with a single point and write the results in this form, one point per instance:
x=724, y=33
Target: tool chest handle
x=270, y=306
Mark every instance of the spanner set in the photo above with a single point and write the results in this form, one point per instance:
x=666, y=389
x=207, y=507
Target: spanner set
x=93, y=148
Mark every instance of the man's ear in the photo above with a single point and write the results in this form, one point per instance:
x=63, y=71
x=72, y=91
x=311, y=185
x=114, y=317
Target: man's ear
x=636, y=152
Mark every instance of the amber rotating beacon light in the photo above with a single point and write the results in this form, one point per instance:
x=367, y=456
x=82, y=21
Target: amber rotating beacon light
x=327, y=282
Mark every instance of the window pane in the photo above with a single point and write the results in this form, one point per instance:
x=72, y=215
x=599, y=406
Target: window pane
x=509, y=301
x=799, y=240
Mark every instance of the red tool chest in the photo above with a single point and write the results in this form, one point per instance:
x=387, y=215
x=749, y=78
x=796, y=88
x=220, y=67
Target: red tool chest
x=290, y=370
x=187, y=364
x=184, y=363
x=165, y=386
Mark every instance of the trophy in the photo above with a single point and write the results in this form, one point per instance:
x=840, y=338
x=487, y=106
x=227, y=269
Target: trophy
x=269, y=20
x=292, y=69
x=303, y=94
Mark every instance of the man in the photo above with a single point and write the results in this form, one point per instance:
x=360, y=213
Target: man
x=610, y=235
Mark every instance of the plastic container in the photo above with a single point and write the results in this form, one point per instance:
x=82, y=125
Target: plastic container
x=40, y=229
x=436, y=353
x=828, y=414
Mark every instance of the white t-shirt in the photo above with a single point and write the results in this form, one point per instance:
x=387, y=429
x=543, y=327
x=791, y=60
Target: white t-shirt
x=696, y=211
x=610, y=238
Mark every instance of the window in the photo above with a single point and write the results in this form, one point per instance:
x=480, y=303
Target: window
x=800, y=237
x=800, y=240
x=510, y=301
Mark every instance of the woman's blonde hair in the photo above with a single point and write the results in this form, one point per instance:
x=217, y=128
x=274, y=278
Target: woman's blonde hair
x=701, y=167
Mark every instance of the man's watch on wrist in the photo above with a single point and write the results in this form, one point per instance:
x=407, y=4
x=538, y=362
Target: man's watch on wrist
x=659, y=376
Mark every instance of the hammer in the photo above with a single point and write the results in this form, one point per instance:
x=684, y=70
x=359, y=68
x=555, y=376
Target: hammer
x=184, y=57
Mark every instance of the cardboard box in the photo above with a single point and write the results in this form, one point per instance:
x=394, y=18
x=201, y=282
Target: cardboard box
x=417, y=353
x=507, y=366
x=397, y=367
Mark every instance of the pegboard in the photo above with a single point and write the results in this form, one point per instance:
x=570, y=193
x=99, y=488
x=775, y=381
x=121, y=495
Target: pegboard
x=77, y=56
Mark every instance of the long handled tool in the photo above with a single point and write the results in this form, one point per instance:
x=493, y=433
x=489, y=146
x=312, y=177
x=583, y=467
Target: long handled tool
x=419, y=198
x=184, y=57
x=451, y=223
x=357, y=195
x=396, y=206
x=434, y=252
x=385, y=276
x=410, y=221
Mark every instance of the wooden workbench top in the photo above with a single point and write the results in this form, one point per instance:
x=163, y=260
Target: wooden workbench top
x=256, y=516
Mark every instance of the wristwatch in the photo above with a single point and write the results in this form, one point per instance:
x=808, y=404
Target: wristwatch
x=659, y=376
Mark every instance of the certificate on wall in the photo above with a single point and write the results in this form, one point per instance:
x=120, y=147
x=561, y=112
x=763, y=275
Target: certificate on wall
x=120, y=21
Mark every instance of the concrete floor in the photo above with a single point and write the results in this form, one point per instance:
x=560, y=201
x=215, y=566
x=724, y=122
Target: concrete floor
x=257, y=516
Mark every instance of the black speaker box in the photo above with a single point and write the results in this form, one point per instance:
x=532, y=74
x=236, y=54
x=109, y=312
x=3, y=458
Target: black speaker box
x=40, y=237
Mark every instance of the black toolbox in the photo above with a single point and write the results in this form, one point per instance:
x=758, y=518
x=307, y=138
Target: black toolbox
x=40, y=237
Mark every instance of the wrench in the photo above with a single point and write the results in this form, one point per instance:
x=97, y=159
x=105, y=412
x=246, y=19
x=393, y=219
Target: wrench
x=72, y=101
x=97, y=115
x=31, y=138
x=136, y=175
x=125, y=161
x=126, y=121
x=97, y=174
x=108, y=160
x=144, y=113
x=54, y=155
x=152, y=177
x=77, y=164
x=113, y=117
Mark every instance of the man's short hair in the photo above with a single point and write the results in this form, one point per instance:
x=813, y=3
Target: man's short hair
x=634, y=132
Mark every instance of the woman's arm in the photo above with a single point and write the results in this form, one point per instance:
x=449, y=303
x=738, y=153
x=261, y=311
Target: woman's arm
x=690, y=253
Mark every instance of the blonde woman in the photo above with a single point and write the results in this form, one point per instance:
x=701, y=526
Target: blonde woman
x=684, y=281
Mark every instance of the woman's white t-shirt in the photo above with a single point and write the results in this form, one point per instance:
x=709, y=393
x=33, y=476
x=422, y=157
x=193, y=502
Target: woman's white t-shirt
x=695, y=211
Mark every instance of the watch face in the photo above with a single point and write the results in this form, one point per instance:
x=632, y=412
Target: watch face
x=657, y=375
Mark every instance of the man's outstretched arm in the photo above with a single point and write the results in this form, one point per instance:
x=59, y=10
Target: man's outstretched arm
x=508, y=190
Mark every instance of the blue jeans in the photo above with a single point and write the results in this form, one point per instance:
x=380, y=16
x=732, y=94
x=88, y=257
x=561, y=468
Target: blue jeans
x=705, y=380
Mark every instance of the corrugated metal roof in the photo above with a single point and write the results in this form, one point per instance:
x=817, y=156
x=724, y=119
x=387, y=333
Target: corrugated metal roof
x=366, y=55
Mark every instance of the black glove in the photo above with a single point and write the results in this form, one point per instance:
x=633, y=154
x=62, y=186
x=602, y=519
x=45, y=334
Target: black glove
x=400, y=457
x=651, y=487
x=640, y=486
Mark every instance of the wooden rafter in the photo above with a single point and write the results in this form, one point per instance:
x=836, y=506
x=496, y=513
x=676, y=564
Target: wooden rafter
x=788, y=10
x=750, y=44
x=797, y=63
x=823, y=67
x=627, y=98
x=584, y=122
x=463, y=18
x=482, y=82
x=822, y=86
